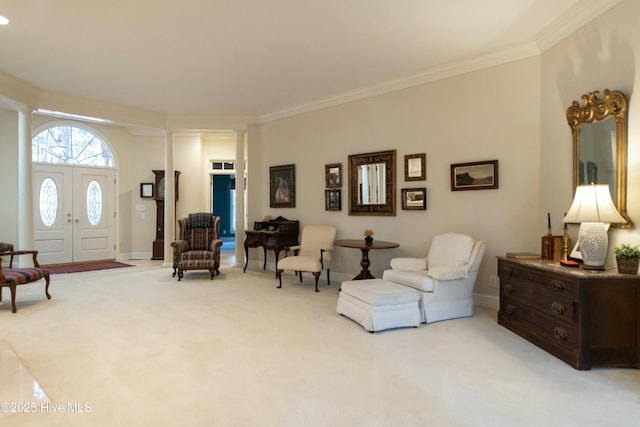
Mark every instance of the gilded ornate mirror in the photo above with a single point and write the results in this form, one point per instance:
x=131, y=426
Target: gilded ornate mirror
x=599, y=130
x=372, y=189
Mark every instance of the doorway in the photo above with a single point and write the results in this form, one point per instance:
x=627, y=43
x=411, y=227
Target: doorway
x=223, y=204
x=74, y=213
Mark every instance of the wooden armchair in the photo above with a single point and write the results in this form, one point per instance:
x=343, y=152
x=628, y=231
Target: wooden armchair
x=12, y=277
x=198, y=244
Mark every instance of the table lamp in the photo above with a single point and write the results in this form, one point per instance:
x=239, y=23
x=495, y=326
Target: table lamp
x=594, y=210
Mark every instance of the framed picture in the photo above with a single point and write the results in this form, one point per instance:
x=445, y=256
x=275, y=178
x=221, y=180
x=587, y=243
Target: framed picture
x=333, y=175
x=414, y=199
x=282, y=186
x=332, y=200
x=474, y=176
x=415, y=167
x=146, y=190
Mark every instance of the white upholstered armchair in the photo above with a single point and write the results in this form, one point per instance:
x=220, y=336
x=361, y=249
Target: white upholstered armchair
x=313, y=253
x=445, y=278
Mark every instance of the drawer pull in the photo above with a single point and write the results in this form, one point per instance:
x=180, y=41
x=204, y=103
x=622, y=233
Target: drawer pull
x=558, y=307
x=507, y=271
x=508, y=289
x=510, y=309
x=558, y=285
x=560, y=333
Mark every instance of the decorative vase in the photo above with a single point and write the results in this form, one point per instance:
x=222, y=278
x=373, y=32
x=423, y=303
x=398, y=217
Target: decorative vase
x=368, y=240
x=627, y=264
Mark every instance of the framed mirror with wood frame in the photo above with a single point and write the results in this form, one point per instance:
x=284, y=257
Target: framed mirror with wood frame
x=372, y=186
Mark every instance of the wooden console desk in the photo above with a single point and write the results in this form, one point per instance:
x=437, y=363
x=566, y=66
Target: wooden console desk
x=584, y=318
x=275, y=235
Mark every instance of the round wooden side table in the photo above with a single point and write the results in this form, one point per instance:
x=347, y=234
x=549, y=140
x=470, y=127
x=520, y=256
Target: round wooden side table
x=365, y=248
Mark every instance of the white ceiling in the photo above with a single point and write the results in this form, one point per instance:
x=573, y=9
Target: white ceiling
x=256, y=58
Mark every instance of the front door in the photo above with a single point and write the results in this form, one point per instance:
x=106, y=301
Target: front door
x=74, y=213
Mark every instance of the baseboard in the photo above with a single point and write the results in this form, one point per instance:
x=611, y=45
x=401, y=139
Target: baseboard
x=486, y=301
x=135, y=255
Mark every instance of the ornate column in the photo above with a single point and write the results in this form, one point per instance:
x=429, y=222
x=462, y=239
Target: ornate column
x=169, y=200
x=240, y=209
x=25, y=184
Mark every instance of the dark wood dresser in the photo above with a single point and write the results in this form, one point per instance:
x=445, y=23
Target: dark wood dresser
x=274, y=235
x=584, y=318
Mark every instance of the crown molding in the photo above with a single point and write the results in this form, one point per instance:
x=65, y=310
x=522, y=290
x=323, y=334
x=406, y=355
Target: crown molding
x=452, y=69
x=575, y=18
x=571, y=21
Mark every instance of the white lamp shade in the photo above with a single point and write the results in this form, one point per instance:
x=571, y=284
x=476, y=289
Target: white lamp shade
x=592, y=203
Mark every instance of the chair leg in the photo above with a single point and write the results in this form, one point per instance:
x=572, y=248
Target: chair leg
x=279, y=276
x=46, y=288
x=180, y=273
x=13, y=298
x=317, y=276
x=300, y=274
x=328, y=278
x=174, y=272
x=212, y=271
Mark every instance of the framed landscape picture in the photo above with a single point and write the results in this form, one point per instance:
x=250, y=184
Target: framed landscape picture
x=474, y=175
x=414, y=199
x=282, y=185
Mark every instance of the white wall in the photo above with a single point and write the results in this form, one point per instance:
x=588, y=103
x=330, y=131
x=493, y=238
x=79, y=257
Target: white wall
x=603, y=55
x=491, y=114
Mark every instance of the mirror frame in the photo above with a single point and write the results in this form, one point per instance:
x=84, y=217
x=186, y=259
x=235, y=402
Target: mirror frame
x=613, y=104
x=356, y=160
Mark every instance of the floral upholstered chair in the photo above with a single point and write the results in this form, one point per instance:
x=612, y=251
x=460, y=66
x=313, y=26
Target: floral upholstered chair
x=198, y=244
x=12, y=277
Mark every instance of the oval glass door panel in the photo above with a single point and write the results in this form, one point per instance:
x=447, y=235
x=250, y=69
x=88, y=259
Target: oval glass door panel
x=48, y=202
x=94, y=202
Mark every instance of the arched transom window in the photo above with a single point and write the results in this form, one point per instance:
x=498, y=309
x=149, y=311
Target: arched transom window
x=71, y=145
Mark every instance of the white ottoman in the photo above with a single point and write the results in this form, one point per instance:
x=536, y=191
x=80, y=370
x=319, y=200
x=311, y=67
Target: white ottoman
x=378, y=304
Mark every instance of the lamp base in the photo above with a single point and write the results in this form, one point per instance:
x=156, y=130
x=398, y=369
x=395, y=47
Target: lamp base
x=593, y=241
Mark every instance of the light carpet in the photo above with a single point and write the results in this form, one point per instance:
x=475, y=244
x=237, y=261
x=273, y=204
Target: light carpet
x=143, y=349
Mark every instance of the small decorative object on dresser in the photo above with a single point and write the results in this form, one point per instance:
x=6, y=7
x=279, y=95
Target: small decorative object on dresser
x=551, y=248
x=627, y=258
x=584, y=318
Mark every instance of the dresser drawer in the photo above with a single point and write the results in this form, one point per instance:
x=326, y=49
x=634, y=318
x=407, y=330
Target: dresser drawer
x=554, y=283
x=554, y=304
x=550, y=328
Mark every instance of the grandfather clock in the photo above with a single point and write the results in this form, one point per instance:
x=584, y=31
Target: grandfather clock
x=158, y=244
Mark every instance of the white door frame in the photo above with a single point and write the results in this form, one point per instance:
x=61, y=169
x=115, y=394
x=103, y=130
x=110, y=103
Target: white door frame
x=73, y=237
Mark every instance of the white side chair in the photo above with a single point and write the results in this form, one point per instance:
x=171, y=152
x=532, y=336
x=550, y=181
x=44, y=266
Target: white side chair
x=445, y=278
x=313, y=255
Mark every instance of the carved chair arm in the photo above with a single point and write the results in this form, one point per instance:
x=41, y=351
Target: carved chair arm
x=34, y=255
x=287, y=249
